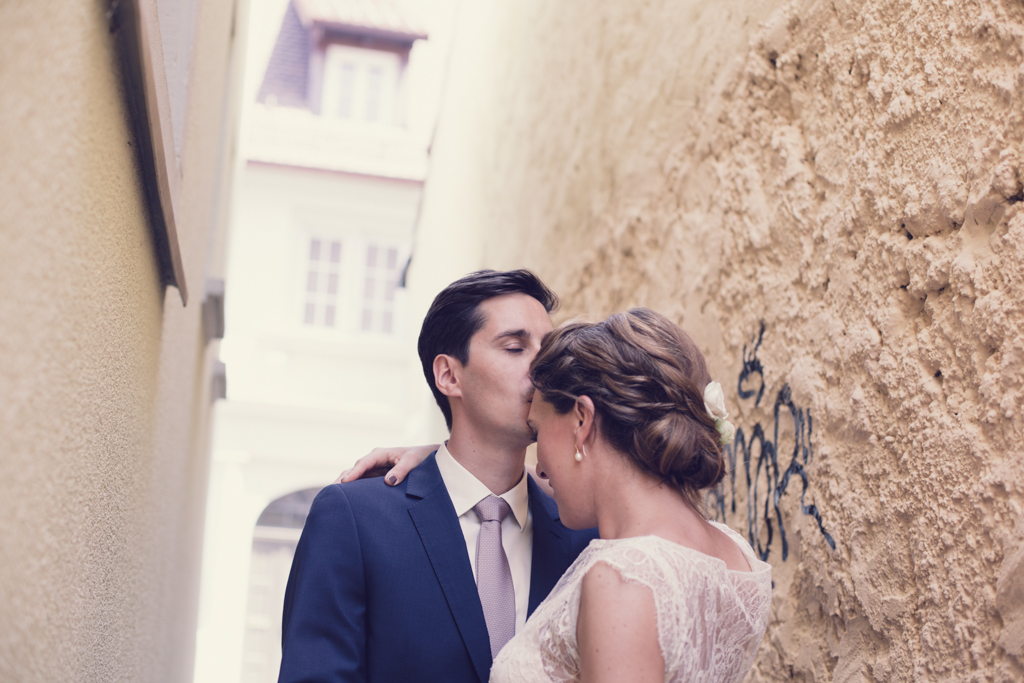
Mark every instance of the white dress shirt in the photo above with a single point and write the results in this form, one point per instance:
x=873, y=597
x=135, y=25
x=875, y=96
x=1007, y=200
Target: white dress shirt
x=466, y=491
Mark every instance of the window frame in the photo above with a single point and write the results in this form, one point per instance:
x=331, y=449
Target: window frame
x=363, y=60
x=350, y=299
x=383, y=246
x=343, y=268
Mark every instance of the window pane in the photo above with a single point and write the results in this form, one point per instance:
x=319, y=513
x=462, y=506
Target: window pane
x=373, y=91
x=392, y=258
x=386, y=322
x=368, y=290
x=323, y=283
x=389, y=290
x=345, y=88
x=371, y=255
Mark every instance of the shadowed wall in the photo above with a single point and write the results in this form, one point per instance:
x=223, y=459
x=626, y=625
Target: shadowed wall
x=848, y=176
x=104, y=376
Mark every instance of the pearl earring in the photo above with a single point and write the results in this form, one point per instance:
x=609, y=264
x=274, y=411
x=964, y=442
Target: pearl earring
x=578, y=456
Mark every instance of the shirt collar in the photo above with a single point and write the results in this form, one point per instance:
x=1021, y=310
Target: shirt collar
x=466, y=490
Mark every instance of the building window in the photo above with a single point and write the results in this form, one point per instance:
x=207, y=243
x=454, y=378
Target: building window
x=374, y=86
x=323, y=274
x=382, y=273
x=361, y=85
x=276, y=535
x=346, y=89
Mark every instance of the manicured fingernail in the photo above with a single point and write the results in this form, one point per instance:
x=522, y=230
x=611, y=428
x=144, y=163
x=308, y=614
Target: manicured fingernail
x=392, y=480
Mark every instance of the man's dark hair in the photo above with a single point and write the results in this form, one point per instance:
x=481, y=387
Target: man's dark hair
x=455, y=317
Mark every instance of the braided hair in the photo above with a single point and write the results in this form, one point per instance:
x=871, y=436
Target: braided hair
x=646, y=378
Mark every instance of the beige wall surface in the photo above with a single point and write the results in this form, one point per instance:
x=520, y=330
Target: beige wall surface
x=103, y=376
x=847, y=174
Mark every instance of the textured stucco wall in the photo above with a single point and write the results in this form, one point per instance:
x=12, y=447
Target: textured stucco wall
x=103, y=376
x=848, y=173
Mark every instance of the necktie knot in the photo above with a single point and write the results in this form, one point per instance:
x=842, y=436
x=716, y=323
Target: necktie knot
x=492, y=509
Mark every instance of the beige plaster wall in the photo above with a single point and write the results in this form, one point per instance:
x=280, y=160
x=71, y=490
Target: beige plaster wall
x=103, y=376
x=847, y=172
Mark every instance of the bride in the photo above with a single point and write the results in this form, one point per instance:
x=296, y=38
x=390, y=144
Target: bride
x=629, y=434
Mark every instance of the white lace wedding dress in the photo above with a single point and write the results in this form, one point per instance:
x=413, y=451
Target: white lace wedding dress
x=710, y=619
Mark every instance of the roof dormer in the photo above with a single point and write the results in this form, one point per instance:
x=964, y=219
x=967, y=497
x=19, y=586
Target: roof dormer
x=343, y=59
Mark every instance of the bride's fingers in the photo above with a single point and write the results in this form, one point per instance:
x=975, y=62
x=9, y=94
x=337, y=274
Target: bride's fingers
x=395, y=462
x=363, y=473
x=373, y=464
x=403, y=465
x=397, y=474
x=408, y=459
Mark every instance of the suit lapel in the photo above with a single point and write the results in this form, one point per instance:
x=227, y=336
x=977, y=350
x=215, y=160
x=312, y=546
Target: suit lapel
x=551, y=553
x=441, y=534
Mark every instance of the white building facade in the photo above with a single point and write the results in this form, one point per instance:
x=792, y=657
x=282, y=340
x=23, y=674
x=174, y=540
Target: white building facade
x=320, y=342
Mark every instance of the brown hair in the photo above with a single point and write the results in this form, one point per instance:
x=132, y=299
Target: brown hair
x=455, y=317
x=646, y=378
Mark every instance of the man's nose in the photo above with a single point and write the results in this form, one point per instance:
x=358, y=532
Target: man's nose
x=541, y=473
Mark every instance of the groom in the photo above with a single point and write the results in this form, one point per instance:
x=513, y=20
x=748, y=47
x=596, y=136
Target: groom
x=426, y=580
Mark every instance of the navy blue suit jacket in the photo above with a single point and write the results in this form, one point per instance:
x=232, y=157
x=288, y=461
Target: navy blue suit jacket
x=381, y=587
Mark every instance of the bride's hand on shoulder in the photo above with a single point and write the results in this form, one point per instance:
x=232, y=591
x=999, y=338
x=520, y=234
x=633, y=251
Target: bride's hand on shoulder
x=617, y=630
x=394, y=463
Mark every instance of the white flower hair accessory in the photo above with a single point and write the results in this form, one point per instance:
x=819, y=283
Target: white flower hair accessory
x=714, y=401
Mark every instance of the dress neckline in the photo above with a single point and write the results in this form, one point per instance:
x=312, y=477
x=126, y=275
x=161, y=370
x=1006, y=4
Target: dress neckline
x=756, y=565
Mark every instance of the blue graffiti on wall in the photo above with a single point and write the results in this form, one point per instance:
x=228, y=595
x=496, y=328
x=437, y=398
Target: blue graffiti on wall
x=767, y=461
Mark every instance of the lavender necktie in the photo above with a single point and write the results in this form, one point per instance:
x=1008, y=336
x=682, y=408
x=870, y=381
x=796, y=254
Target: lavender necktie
x=493, y=576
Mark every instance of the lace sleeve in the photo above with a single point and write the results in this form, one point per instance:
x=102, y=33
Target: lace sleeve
x=710, y=620
x=637, y=564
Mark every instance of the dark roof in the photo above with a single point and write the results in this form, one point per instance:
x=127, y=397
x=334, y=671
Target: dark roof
x=287, y=75
x=383, y=19
x=286, y=81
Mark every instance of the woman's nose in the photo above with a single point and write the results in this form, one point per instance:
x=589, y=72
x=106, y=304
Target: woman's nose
x=541, y=473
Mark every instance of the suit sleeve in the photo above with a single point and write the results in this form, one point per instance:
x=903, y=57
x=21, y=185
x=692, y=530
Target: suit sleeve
x=323, y=634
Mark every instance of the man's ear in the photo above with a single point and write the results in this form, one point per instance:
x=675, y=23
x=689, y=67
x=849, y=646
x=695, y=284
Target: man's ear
x=447, y=375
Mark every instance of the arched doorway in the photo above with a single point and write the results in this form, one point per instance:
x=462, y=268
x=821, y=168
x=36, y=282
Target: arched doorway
x=273, y=546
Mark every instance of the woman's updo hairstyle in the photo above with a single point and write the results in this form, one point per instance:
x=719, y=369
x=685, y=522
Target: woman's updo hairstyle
x=646, y=378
